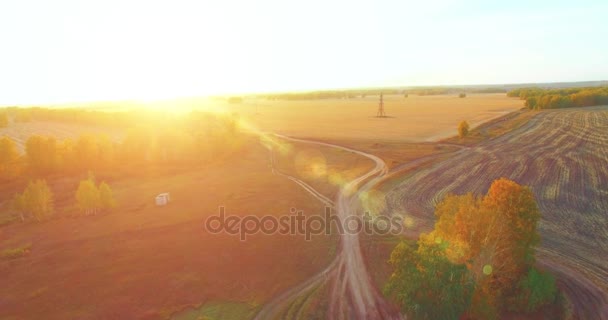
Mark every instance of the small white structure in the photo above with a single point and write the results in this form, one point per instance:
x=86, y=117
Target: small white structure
x=163, y=199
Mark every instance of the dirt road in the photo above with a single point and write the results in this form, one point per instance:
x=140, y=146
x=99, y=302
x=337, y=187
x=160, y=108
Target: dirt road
x=353, y=294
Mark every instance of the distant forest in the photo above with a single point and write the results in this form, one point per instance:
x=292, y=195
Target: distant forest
x=537, y=98
x=362, y=93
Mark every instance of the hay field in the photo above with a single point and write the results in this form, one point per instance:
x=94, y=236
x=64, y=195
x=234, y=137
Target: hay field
x=414, y=119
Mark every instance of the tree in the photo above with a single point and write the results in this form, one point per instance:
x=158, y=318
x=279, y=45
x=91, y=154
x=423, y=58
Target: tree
x=531, y=103
x=38, y=200
x=3, y=119
x=9, y=158
x=106, y=197
x=87, y=152
x=463, y=129
x=493, y=238
x=426, y=284
x=536, y=289
x=88, y=197
x=41, y=154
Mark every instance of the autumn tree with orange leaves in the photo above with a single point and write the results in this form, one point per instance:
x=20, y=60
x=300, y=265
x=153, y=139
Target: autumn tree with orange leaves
x=493, y=237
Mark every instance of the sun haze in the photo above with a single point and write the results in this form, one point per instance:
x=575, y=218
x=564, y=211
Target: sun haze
x=314, y=159
x=66, y=51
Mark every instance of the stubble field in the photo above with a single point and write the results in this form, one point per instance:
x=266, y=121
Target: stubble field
x=413, y=119
x=562, y=156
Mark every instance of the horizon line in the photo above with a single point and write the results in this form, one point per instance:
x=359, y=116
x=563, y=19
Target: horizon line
x=277, y=92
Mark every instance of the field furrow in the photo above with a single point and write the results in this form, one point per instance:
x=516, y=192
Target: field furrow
x=562, y=155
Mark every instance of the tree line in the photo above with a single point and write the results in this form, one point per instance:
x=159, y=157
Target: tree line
x=477, y=262
x=186, y=141
x=537, y=98
x=125, y=118
x=335, y=94
x=194, y=142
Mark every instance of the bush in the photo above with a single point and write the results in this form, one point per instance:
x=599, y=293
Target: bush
x=463, y=129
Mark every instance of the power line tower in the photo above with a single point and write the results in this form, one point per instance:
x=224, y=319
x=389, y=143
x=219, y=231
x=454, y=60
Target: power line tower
x=381, y=113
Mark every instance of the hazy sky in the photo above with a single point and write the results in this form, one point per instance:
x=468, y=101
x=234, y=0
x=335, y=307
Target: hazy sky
x=77, y=50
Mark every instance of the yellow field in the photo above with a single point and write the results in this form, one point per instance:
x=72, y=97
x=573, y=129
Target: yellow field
x=416, y=118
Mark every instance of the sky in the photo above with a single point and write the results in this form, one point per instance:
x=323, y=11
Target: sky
x=75, y=50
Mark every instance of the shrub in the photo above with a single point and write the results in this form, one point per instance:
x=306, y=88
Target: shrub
x=463, y=129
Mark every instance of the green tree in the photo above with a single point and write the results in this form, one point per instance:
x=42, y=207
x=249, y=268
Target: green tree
x=463, y=129
x=531, y=103
x=536, y=289
x=38, y=200
x=426, y=284
x=106, y=197
x=87, y=197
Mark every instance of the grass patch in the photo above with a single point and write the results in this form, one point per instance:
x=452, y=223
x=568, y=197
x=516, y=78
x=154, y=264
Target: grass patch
x=219, y=310
x=14, y=253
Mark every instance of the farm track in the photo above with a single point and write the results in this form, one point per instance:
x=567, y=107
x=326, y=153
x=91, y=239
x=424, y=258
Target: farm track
x=352, y=292
x=563, y=156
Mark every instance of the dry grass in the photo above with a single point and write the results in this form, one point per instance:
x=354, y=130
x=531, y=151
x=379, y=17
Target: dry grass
x=144, y=261
x=416, y=118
